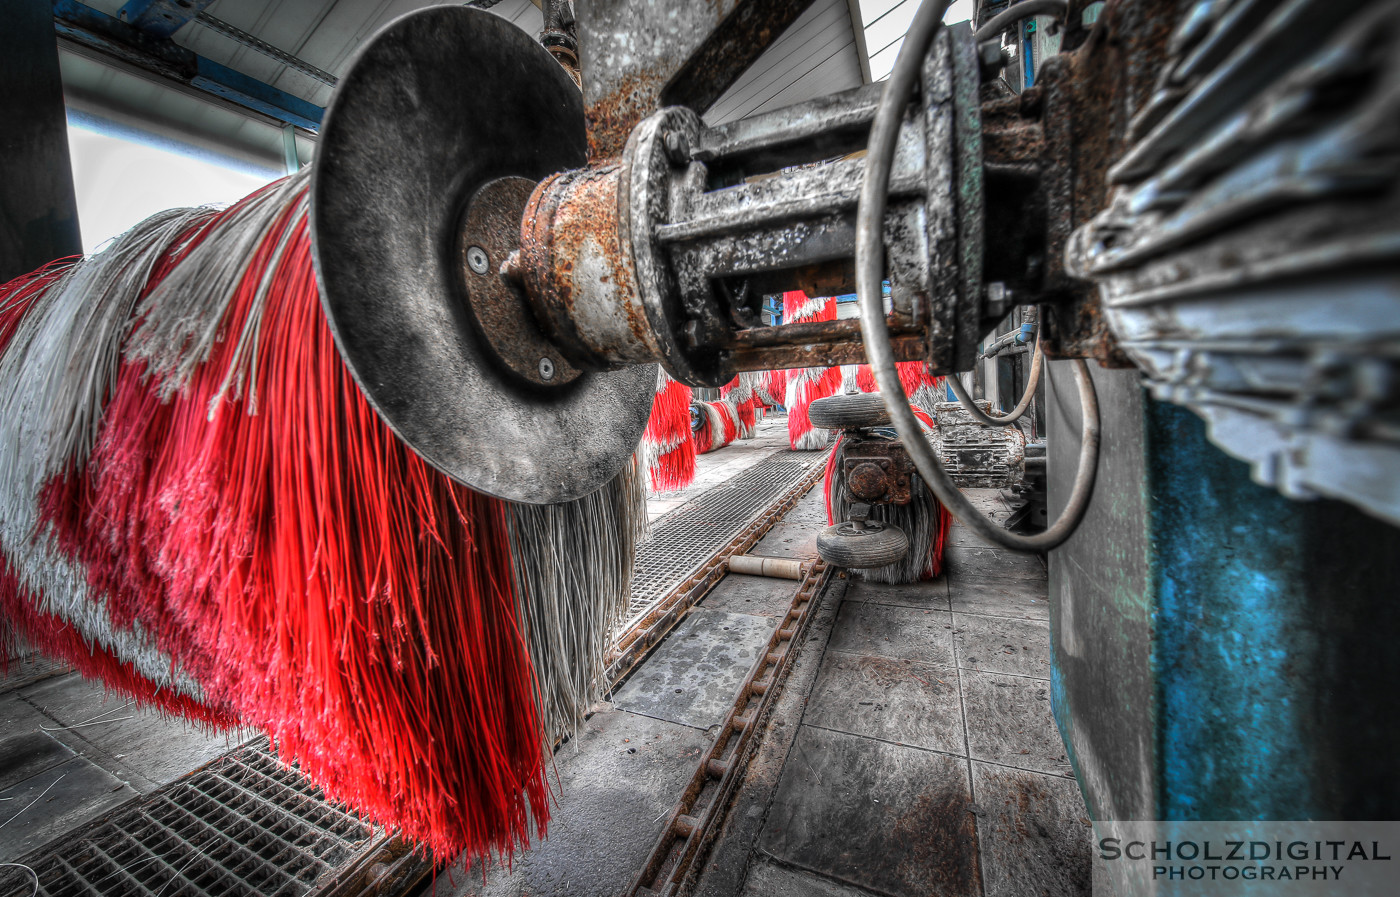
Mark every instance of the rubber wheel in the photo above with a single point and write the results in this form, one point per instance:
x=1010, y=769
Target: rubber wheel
x=876, y=545
x=852, y=412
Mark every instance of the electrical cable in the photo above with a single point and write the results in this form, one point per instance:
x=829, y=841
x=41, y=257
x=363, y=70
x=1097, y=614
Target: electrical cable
x=1024, y=10
x=870, y=215
x=1015, y=414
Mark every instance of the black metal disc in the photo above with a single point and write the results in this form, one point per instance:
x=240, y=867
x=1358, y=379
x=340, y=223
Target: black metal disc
x=439, y=103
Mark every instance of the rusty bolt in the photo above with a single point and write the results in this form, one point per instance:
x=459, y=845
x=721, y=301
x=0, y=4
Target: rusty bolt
x=677, y=147
x=477, y=260
x=546, y=368
x=866, y=482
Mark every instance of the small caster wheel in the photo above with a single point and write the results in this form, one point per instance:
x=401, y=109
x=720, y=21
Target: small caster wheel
x=875, y=544
x=852, y=412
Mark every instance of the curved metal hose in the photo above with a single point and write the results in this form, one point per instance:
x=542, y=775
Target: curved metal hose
x=1023, y=10
x=870, y=216
x=1015, y=414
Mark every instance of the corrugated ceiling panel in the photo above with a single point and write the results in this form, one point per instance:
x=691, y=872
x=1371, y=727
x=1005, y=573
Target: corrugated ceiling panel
x=324, y=33
x=815, y=56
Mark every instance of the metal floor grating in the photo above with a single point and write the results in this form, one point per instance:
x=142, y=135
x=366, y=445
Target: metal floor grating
x=244, y=824
x=685, y=538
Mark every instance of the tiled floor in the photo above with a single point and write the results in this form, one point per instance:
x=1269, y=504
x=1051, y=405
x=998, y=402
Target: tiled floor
x=925, y=760
x=69, y=753
x=912, y=751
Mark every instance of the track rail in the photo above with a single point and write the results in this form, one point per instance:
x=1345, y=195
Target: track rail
x=702, y=805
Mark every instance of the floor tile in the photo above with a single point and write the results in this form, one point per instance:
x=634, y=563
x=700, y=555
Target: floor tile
x=1009, y=722
x=895, y=700
x=796, y=535
x=768, y=879
x=617, y=783
x=1002, y=645
x=47, y=805
x=929, y=595
x=759, y=595
x=1034, y=832
x=1024, y=598
x=899, y=632
x=694, y=676
x=896, y=820
x=25, y=754
x=138, y=745
x=992, y=563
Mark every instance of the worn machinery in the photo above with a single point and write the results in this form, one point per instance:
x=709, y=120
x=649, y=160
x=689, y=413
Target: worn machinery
x=1199, y=194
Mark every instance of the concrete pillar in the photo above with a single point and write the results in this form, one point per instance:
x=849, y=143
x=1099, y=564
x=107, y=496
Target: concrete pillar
x=38, y=210
x=1220, y=652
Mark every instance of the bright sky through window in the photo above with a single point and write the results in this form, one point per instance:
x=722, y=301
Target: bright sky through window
x=119, y=182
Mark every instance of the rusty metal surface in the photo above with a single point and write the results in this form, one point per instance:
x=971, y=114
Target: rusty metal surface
x=877, y=470
x=1247, y=256
x=489, y=234
x=977, y=456
x=694, y=822
x=634, y=51
x=1090, y=97
x=438, y=104
x=578, y=275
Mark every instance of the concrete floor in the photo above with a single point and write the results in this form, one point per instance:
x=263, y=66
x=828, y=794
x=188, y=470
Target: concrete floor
x=69, y=753
x=912, y=751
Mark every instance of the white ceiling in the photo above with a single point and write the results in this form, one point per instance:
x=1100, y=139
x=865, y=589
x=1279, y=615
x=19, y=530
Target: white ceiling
x=820, y=53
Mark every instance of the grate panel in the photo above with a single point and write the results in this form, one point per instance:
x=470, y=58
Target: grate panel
x=684, y=539
x=242, y=825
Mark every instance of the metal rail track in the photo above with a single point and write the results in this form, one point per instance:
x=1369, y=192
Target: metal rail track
x=702, y=805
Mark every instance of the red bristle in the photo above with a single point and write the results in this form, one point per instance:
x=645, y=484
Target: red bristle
x=797, y=307
x=670, y=413
x=19, y=613
x=774, y=386
x=668, y=433
x=316, y=577
x=730, y=419
x=940, y=542
x=827, y=384
x=826, y=478
x=674, y=469
x=703, y=437
x=748, y=417
x=913, y=376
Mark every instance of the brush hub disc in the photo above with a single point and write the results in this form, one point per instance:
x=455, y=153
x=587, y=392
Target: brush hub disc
x=428, y=147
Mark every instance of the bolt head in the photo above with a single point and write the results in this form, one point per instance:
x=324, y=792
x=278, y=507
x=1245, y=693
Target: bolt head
x=546, y=368
x=477, y=260
x=677, y=146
